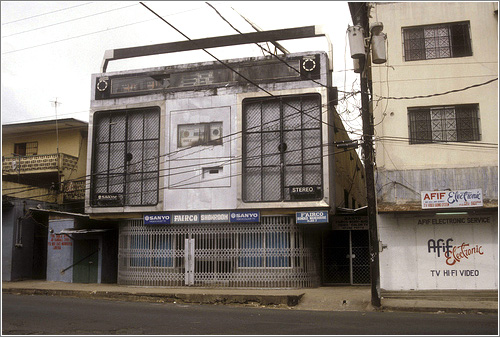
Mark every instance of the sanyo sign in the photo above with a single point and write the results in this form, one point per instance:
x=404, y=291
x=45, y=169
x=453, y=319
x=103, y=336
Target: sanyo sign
x=452, y=199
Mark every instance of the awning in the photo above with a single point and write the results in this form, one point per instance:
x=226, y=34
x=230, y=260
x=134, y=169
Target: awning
x=83, y=231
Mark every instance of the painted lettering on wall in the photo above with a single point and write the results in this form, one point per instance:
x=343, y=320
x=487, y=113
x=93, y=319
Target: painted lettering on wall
x=446, y=221
x=57, y=241
x=458, y=253
x=454, y=272
x=438, y=246
x=453, y=255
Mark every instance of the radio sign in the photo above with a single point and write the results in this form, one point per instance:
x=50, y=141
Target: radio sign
x=157, y=219
x=311, y=217
x=452, y=199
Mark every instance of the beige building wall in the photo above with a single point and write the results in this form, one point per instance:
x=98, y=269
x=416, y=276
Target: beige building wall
x=400, y=78
x=349, y=171
x=72, y=142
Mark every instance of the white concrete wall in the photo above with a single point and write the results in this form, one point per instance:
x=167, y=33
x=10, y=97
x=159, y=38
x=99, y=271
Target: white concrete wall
x=182, y=185
x=407, y=264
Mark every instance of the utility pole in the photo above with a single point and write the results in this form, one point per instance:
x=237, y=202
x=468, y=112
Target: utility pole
x=359, y=13
x=57, y=149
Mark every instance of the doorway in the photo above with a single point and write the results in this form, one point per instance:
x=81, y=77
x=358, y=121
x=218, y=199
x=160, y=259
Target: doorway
x=346, y=257
x=86, y=261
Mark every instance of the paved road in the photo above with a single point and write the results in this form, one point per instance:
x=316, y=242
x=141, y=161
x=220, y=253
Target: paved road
x=69, y=316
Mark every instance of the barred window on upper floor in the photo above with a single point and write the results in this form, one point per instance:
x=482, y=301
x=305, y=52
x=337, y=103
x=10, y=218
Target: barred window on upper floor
x=26, y=149
x=437, y=41
x=453, y=123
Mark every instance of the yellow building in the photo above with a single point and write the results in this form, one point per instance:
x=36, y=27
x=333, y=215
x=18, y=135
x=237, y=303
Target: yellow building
x=43, y=166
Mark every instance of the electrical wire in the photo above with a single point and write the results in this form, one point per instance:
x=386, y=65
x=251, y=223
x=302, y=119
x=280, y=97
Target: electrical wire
x=442, y=93
x=35, y=16
x=63, y=22
x=91, y=33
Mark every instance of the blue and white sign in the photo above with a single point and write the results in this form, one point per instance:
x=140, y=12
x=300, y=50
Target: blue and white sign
x=157, y=219
x=186, y=218
x=311, y=217
x=214, y=217
x=245, y=216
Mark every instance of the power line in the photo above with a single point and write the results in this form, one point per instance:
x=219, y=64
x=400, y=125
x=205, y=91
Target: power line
x=92, y=33
x=459, y=144
x=62, y=22
x=169, y=187
x=441, y=94
x=35, y=16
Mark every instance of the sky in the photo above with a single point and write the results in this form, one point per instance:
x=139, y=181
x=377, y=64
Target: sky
x=50, y=48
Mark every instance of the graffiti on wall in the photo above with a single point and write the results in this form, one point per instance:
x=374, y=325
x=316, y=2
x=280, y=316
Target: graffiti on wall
x=57, y=241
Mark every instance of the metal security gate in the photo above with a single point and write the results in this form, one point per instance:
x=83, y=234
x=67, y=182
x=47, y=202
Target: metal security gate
x=346, y=258
x=274, y=254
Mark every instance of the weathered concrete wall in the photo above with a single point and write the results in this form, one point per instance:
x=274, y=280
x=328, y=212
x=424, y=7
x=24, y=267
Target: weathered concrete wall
x=17, y=262
x=8, y=216
x=399, y=189
x=59, y=256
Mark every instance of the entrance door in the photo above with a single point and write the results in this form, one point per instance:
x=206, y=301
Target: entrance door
x=336, y=258
x=85, y=260
x=207, y=259
x=346, y=257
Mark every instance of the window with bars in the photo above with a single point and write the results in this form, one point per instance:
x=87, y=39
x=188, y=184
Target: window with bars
x=457, y=123
x=125, y=158
x=26, y=149
x=282, y=147
x=437, y=41
x=270, y=250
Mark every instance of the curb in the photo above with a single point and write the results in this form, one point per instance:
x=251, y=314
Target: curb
x=284, y=300
x=441, y=310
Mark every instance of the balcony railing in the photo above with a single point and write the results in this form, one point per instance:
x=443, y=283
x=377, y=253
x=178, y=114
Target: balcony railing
x=38, y=164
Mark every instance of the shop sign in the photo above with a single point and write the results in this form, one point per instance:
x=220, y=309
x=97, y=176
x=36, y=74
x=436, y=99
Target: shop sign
x=348, y=222
x=250, y=216
x=214, y=217
x=186, y=218
x=157, y=219
x=311, y=217
x=452, y=199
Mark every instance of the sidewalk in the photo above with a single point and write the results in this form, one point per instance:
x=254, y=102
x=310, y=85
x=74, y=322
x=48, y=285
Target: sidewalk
x=341, y=298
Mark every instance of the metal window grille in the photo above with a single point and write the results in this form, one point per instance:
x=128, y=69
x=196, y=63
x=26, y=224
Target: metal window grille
x=276, y=253
x=26, y=149
x=282, y=146
x=444, y=124
x=437, y=41
x=126, y=157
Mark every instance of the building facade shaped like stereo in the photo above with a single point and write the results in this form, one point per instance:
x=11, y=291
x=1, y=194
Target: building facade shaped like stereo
x=219, y=174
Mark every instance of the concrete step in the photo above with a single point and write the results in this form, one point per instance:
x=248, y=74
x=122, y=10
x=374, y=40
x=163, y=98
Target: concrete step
x=443, y=295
